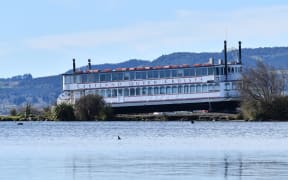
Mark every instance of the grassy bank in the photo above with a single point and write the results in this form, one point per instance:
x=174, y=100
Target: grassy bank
x=23, y=118
x=168, y=116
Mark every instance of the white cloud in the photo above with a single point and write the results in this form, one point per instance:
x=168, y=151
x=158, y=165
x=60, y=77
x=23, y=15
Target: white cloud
x=189, y=28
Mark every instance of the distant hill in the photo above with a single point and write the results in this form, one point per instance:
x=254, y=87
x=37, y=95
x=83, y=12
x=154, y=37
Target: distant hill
x=41, y=92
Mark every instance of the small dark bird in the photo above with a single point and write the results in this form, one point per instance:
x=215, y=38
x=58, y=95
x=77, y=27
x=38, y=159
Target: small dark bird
x=119, y=138
x=20, y=123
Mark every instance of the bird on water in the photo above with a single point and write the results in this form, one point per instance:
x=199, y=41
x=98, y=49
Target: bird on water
x=119, y=138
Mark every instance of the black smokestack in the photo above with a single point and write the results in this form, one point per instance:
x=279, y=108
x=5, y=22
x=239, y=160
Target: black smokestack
x=89, y=64
x=240, y=53
x=225, y=59
x=74, y=66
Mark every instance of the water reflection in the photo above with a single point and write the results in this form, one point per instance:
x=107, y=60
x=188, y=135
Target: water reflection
x=147, y=150
x=222, y=167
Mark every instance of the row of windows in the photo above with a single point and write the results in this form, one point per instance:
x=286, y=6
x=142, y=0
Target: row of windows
x=150, y=74
x=155, y=90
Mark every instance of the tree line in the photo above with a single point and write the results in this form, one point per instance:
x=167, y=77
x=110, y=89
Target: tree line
x=87, y=108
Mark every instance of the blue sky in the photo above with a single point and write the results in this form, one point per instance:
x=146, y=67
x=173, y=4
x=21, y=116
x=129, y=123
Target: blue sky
x=42, y=37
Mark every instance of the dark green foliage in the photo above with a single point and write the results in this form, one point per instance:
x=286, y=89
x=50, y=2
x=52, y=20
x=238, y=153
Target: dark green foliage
x=64, y=112
x=276, y=110
x=107, y=113
x=13, y=112
x=90, y=107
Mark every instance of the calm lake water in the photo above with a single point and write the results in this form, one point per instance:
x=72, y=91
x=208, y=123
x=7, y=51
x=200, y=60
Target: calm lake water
x=147, y=150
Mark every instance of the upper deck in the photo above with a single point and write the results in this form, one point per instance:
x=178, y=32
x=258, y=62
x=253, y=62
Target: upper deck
x=153, y=73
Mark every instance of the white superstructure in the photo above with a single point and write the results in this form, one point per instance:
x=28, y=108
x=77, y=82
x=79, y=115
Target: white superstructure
x=152, y=86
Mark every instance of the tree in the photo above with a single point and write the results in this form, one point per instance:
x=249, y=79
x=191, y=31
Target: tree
x=13, y=112
x=262, y=88
x=64, y=112
x=90, y=107
x=27, y=110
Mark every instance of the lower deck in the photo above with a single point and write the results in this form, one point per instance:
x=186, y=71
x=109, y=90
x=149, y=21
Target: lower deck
x=224, y=105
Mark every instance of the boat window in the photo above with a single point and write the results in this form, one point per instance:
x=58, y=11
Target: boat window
x=102, y=77
x=114, y=92
x=167, y=73
x=156, y=90
x=126, y=75
x=79, y=79
x=192, y=89
x=138, y=92
x=174, y=90
x=187, y=72
x=186, y=89
x=152, y=74
x=144, y=91
x=180, y=89
x=68, y=79
x=132, y=75
x=222, y=71
x=217, y=87
x=93, y=77
x=204, y=88
x=162, y=73
x=102, y=93
x=141, y=75
x=198, y=88
x=155, y=74
x=217, y=71
x=227, y=86
x=120, y=92
x=198, y=71
x=117, y=76
x=168, y=90
x=97, y=92
x=180, y=72
x=204, y=71
x=132, y=91
x=84, y=78
x=126, y=92
x=174, y=73
x=210, y=71
x=150, y=91
x=109, y=93
x=162, y=90
x=105, y=77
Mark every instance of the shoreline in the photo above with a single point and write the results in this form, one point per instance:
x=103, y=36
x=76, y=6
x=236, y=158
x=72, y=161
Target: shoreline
x=167, y=116
x=156, y=117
